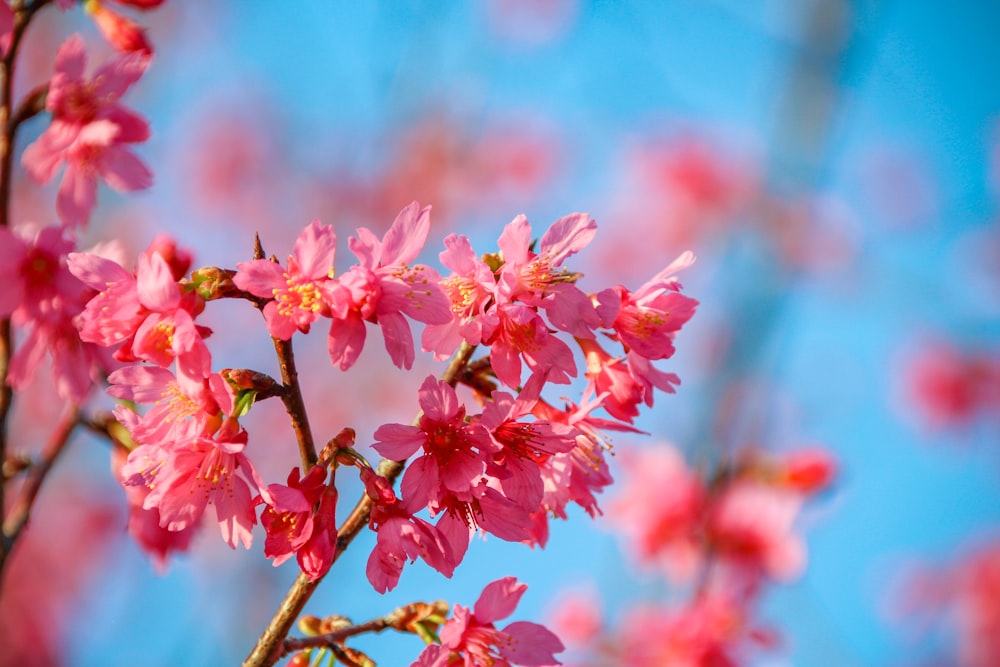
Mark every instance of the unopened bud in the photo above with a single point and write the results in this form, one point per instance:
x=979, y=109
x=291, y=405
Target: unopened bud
x=177, y=259
x=121, y=32
x=333, y=623
x=309, y=625
x=211, y=282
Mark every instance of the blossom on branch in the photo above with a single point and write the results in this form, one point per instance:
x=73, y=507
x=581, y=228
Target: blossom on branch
x=298, y=293
x=470, y=638
x=383, y=287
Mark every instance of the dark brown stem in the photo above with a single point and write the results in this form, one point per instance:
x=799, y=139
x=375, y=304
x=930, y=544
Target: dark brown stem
x=294, y=405
x=269, y=646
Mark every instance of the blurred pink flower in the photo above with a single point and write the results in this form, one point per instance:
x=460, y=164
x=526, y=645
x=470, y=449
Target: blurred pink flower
x=659, y=508
x=751, y=528
x=90, y=131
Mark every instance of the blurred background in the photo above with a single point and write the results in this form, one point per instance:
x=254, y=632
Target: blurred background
x=834, y=165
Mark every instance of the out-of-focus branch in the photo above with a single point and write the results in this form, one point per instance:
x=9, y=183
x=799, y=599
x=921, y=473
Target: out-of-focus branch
x=15, y=522
x=8, y=128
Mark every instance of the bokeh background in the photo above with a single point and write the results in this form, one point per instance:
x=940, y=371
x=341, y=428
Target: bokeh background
x=835, y=166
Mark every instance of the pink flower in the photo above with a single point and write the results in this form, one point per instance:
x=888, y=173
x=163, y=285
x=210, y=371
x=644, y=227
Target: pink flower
x=186, y=476
x=470, y=289
x=538, y=279
x=401, y=537
x=144, y=524
x=953, y=387
x=514, y=331
x=521, y=448
x=146, y=311
x=470, y=638
x=711, y=631
x=89, y=131
x=383, y=288
x=42, y=297
x=647, y=320
x=452, y=460
x=121, y=32
x=612, y=378
x=298, y=292
x=181, y=408
x=659, y=508
x=299, y=519
x=750, y=525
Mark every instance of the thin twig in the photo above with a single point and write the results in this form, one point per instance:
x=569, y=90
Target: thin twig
x=402, y=618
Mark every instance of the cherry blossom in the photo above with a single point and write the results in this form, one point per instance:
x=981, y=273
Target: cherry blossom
x=470, y=638
x=90, y=131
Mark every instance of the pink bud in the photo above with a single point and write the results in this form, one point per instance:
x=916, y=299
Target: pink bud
x=120, y=31
x=809, y=470
x=177, y=259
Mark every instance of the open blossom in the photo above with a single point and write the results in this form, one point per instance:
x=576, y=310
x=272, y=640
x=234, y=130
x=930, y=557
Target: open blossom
x=300, y=520
x=298, y=291
x=470, y=289
x=452, y=458
x=90, y=131
x=711, y=631
x=539, y=279
x=181, y=408
x=647, y=320
x=402, y=536
x=751, y=527
x=147, y=312
x=659, y=509
x=144, y=524
x=185, y=477
x=383, y=288
x=522, y=448
x=470, y=638
x=42, y=297
x=514, y=332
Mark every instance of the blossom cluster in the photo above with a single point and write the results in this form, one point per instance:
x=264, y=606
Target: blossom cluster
x=726, y=539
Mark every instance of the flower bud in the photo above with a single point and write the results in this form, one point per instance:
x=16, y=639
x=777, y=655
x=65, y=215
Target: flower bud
x=177, y=259
x=309, y=625
x=120, y=31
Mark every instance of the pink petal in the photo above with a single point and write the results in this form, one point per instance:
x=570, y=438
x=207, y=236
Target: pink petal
x=77, y=195
x=346, y=339
x=405, y=239
x=499, y=599
x=314, y=250
x=123, y=171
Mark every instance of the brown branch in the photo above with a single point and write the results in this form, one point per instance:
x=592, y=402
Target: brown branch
x=294, y=405
x=15, y=522
x=269, y=645
x=404, y=619
x=8, y=128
